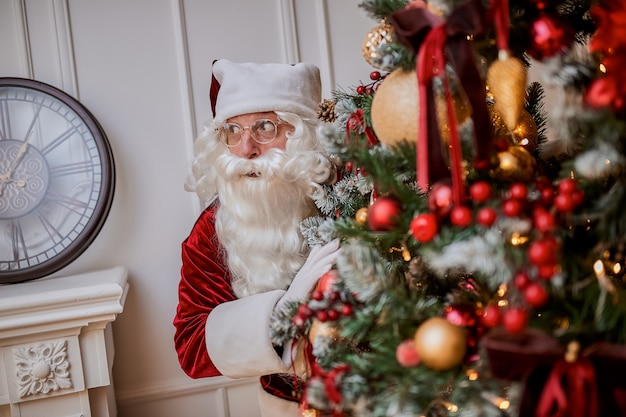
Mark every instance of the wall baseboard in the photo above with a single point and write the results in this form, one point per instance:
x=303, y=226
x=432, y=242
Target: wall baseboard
x=130, y=398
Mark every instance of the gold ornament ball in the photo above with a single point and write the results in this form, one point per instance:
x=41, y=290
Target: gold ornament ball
x=377, y=37
x=361, y=216
x=515, y=164
x=525, y=133
x=321, y=329
x=394, y=108
x=440, y=344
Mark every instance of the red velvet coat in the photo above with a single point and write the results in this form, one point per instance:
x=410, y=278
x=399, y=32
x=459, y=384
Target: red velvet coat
x=204, y=284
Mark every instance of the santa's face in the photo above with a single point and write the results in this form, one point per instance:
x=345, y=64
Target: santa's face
x=252, y=135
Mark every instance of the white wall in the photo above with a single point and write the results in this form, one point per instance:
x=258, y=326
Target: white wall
x=143, y=68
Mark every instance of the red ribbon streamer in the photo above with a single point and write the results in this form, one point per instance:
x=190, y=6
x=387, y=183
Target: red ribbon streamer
x=570, y=391
x=330, y=381
x=431, y=63
x=499, y=11
x=436, y=42
x=355, y=123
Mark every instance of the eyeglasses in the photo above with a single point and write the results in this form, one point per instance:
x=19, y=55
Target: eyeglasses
x=263, y=131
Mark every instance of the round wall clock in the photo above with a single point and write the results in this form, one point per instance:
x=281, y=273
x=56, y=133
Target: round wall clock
x=57, y=179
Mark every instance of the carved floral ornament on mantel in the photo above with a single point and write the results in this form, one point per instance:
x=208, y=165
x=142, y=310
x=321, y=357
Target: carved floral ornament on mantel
x=42, y=368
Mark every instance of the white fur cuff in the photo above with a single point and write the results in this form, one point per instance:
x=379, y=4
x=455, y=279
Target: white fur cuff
x=238, y=340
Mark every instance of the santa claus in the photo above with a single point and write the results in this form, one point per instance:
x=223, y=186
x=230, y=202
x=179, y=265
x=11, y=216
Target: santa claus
x=257, y=166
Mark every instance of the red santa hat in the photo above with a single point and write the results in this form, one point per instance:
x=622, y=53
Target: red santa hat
x=241, y=88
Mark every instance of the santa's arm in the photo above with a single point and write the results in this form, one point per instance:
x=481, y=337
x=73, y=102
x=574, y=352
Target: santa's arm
x=217, y=334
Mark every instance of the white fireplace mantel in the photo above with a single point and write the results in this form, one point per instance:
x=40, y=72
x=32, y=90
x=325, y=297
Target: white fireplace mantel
x=56, y=345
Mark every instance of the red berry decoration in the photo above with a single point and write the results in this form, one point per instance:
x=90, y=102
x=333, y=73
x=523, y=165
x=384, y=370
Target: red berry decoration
x=346, y=310
x=518, y=191
x=564, y=203
x=521, y=280
x=333, y=315
x=406, y=354
x=512, y=207
x=424, y=227
x=543, y=220
x=578, y=196
x=383, y=213
x=546, y=196
x=461, y=216
x=375, y=75
x=490, y=316
x=480, y=191
x=536, y=295
x=515, y=320
x=567, y=186
x=486, y=216
x=542, y=252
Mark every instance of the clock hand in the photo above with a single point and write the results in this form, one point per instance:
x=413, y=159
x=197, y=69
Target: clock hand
x=6, y=177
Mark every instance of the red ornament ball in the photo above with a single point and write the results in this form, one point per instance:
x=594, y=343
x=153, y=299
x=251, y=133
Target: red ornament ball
x=536, y=295
x=383, y=213
x=327, y=281
x=406, y=354
x=490, y=316
x=461, y=314
x=515, y=320
x=424, y=227
x=440, y=199
x=549, y=36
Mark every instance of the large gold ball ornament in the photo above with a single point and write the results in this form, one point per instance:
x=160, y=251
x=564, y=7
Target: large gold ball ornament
x=377, y=37
x=525, y=133
x=361, y=216
x=440, y=344
x=395, y=107
x=515, y=164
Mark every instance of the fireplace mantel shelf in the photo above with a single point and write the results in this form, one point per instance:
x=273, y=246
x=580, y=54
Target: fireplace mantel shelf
x=56, y=345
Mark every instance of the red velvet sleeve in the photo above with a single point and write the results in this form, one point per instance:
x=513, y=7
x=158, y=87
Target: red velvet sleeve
x=204, y=284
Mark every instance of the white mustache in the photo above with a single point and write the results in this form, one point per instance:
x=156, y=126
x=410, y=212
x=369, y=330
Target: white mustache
x=267, y=165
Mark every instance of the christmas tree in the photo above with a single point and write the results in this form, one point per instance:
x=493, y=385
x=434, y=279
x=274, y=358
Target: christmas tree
x=483, y=233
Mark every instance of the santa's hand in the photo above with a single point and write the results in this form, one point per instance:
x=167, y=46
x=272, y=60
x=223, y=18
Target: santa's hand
x=320, y=260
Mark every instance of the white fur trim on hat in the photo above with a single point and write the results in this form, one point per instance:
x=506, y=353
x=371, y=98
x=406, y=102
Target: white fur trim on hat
x=250, y=88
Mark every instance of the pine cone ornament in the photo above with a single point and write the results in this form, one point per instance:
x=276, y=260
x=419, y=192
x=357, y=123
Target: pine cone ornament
x=326, y=111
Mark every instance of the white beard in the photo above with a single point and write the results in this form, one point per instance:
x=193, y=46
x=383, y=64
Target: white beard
x=258, y=221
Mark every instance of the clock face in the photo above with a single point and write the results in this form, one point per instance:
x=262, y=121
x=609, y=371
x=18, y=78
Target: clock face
x=56, y=179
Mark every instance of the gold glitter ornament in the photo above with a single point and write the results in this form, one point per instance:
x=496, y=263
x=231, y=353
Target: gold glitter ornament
x=394, y=109
x=361, y=216
x=440, y=344
x=525, y=133
x=311, y=412
x=515, y=164
x=377, y=37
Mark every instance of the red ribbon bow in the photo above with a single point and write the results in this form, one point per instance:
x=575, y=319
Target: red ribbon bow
x=591, y=386
x=356, y=123
x=436, y=42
